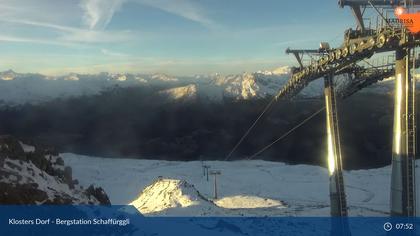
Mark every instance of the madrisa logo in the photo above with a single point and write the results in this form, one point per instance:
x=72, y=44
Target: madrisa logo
x=409, y=20
x=395, y=21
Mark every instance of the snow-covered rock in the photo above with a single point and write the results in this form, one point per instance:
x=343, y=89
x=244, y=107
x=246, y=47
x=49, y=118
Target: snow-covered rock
x=31, y=175
x=164, y=195
x=26, y=147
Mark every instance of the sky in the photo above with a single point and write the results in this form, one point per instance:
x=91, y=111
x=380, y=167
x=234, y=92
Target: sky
x=178, y=37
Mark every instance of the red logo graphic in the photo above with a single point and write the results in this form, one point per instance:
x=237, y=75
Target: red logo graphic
x=410, y=20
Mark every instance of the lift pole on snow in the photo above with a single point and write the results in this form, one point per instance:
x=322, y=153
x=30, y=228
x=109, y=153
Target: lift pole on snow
x=215, y=173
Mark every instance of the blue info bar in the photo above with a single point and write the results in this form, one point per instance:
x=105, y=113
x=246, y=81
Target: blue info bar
x=126, y=220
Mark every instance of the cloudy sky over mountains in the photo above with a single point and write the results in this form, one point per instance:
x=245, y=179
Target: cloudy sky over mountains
x=179, y=37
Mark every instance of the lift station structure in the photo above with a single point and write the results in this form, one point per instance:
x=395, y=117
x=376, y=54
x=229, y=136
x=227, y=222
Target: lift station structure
x=386, y=36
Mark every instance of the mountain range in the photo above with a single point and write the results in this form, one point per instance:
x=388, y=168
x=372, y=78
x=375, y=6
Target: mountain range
x=20, y=88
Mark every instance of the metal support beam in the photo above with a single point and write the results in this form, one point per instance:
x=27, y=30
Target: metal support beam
x=299, y=59
x=403, y=145
x=298, y=53
x=381, y=3
x=357, y=13
x=337, y=193
x=206, y=172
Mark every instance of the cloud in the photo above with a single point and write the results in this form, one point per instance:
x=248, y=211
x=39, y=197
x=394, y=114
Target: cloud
x=90, y=36
x=40, y=24
x=73, y=34
x=112, y=53
x=183, y=8
x=98, y=13
x=17, y=39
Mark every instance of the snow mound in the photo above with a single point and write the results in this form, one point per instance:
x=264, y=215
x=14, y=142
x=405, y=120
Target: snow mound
x=248, y=202
x=165, y=194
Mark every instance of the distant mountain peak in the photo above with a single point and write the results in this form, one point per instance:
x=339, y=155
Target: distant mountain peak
x=282, y=70
x=72, y=77
x=8, y=75
x=9, y=71
x=184, y=92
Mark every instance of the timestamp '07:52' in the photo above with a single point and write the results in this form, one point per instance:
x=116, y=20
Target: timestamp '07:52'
x=404, y=226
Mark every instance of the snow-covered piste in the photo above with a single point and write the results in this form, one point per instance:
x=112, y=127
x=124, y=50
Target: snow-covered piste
x=245, y=188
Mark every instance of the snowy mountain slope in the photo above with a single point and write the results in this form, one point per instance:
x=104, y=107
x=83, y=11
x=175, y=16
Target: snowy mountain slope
x=254, y=188
x=185, y=92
